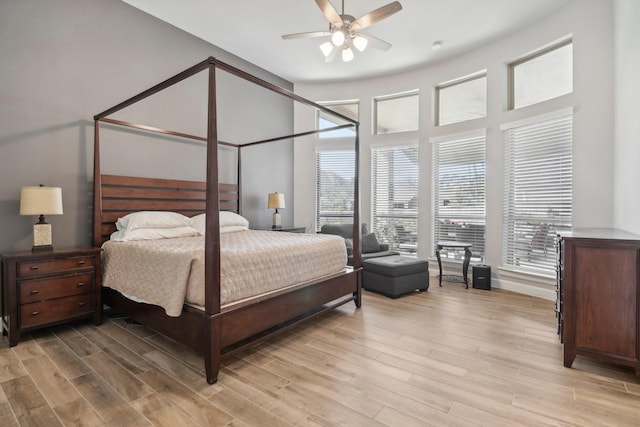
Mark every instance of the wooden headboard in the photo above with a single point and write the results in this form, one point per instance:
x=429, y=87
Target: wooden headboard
x=122, y=195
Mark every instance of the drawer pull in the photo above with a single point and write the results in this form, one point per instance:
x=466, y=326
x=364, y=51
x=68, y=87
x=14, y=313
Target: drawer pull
x=81, y=262
x=80, y=304
x=34, y=267
x=35, y=291
x=81, y=284
x=35, y=313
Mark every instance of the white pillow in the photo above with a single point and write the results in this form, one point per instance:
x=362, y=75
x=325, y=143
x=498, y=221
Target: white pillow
x=228, y=218
x=229, y=222
x=199, y=223
x=232, y=229
x=152, y=219
x=153, y=233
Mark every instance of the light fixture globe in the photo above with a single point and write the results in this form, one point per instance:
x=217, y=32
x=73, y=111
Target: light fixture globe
x=347, y=54
x=360, y=43
x=338, y=37
x=326, y=48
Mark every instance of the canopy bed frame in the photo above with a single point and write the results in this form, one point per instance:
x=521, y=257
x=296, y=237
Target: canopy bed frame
x=217, y=330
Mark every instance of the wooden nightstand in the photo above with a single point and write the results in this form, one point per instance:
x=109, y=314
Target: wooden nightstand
x=41, y=289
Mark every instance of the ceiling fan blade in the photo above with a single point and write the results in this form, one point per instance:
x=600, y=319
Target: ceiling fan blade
x=374, y=41
x=376, y=15
x=329, y=11
x=306, y=35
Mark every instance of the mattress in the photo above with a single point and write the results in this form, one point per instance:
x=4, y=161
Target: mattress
x=170, y=272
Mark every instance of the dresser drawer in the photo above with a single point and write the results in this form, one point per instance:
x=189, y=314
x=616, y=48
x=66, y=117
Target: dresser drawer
x=56, y=309
x=55, y=287
x=53, y=265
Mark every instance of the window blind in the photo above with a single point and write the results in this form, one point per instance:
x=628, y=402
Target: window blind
x=458, y=192
x=335, y=180
x=395, y=196
x=538, y=192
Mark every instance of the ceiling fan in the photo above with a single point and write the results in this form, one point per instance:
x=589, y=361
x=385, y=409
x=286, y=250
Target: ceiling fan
x=344, y=30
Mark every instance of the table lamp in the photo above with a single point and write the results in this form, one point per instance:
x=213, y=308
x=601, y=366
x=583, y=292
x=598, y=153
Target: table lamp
x=276, y=201
x=41, y=201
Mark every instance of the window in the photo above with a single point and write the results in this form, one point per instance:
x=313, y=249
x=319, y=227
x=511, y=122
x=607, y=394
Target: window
x=544, y=75
x=538, y=174
x=462, y=100
x=459, y=192
x=395, y=196
x=325, y=120
x=396, y=113
x=335, y=180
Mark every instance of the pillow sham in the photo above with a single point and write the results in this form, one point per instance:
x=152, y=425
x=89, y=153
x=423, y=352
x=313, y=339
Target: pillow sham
x=232, y=229
x=153, y=233
x=231, y=218
x=199, y=223
x=229, y=222
x=152, y=219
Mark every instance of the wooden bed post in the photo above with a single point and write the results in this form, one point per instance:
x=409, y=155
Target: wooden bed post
x=212, y=240
x=215, y=332
x=357, y=257
x=239, y=180
x=97, y=187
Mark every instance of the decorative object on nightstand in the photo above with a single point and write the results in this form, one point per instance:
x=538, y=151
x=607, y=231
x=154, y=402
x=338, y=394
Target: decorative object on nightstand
x=276, y=201
x=42, y=289
x=41, y=201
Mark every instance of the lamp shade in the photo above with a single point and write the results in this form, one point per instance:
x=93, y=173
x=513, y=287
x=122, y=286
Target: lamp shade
x=41, y=201
x=276, y=201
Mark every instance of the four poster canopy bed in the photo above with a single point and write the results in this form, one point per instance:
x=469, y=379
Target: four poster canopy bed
x=223, y=305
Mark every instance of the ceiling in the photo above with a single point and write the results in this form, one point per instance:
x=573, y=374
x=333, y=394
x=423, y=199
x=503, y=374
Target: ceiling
x=252, y=30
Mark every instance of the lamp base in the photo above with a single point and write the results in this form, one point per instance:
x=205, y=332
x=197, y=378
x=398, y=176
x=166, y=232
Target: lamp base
x=42, y=248
x=276, y=220
x=42, y=236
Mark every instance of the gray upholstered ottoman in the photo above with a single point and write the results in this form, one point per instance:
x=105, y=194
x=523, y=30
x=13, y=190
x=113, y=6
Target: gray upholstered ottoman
x=395, y=275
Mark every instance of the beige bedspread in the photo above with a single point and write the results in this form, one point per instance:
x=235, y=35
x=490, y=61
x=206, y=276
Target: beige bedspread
x=170, y=272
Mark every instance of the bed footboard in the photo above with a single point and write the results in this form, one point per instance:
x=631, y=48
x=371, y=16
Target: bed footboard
x=233, y=330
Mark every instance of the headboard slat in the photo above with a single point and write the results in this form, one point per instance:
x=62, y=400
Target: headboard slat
x=122, y=195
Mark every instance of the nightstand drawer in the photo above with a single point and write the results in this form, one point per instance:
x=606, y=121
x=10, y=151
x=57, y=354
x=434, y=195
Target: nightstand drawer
x=52, y=265
x=55, y=287
x=56, y=309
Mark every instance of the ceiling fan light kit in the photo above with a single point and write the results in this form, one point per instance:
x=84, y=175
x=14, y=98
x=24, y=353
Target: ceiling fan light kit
x=347, y=54
x=344, y=31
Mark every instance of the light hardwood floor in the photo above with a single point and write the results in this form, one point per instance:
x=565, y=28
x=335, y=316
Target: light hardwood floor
x=447, y=357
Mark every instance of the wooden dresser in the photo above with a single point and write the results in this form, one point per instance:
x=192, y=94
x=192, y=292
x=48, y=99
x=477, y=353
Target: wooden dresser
x=41, y=289
x=598, y=295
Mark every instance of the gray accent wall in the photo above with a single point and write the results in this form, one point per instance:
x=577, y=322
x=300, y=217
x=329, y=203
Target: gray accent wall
x=65, y=61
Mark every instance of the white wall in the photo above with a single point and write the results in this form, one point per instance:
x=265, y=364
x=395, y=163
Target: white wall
x=627, y=125
x=590, y=22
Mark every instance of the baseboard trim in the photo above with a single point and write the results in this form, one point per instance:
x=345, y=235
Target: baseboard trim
x=522, y=288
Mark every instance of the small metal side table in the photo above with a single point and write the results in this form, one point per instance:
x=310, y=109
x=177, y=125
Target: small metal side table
x=465, y=263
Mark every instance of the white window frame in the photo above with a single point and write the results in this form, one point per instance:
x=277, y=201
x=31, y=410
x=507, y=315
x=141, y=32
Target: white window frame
x=457, y=82
x=345, y=216
x=468, y=225
x=535, y=55
x=379, y=99
x=395, y=225
x=348, y=132
x=530, y=231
